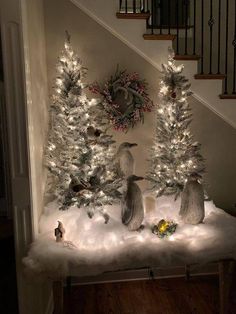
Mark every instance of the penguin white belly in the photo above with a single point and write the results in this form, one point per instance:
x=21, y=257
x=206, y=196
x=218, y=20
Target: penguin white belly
x=192, y=207
x=135, y=205
x=127, y=164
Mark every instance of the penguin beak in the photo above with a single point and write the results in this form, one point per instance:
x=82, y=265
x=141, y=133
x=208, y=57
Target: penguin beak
x=139, y=178
x=132, y=145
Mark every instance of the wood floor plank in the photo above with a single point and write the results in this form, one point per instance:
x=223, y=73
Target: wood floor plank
x=165, y=296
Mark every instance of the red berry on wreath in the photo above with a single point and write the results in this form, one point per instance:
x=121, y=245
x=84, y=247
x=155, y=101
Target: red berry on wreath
x=173, y=95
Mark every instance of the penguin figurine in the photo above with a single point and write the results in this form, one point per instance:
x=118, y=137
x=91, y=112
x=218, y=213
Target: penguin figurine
x=59, y=232
x=125, y=160
x=132, y=204
x=192, y=209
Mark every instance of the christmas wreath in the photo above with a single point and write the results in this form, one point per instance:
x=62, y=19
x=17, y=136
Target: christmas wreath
x=125, y=99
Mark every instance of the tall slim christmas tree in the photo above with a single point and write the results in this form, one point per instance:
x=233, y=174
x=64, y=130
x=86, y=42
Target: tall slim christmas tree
x=174, y=154
x=79, y=152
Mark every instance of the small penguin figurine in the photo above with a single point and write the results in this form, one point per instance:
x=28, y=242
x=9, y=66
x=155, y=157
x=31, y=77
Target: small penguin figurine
x=132, y=204
x=59, y=232
x=124, y=160
x=192, y=209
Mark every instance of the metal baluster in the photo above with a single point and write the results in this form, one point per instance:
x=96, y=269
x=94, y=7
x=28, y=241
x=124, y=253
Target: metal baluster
x=140, y=6
x=161, y=16
x=211, y=22
x=152, y=21
x=186, y=2
x=194, y=27
x=120, y=5
x=202, y=46
x=226, y=46
x=147, y=5
x=169, y=15
x=126, y=6
x=177, y=27
x=134, y=6
x=182, y=3
x=234, y=45
x=219, y=37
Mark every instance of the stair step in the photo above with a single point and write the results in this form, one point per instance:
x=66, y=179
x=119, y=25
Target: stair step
x=187, y=57
x=210, y=76
x=227, y=96
x=158, y=37
x=133, y=16
x=174, y=27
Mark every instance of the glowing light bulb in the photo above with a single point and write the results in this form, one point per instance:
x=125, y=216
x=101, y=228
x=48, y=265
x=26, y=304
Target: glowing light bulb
x=52, y=147
x=164, y=90
x=59, y=81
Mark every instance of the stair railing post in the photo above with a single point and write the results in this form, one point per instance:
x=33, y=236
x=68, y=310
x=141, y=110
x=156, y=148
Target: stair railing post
x=211, y=23
x=194, y=27
x=169, y=16
x=234, y=46
x=186, y=3
x=152, y=16
x=219, y=37
x=226, y=47
x=134, y=6
x=177, y=27
x=202, y=44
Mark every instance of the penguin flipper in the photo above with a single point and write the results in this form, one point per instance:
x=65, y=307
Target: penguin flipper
x=126, y=216
x=126, y=212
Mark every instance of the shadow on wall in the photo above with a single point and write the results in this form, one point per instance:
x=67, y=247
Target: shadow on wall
x=100, y=52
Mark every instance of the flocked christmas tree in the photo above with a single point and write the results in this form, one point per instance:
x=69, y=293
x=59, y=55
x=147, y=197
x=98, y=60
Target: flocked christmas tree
x=79, y=152
x=174, y=155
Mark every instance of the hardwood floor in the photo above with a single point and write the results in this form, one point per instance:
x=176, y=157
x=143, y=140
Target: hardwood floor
x=200, y=295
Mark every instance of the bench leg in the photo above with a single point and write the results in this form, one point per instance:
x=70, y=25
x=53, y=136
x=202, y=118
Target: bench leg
x=225, y=281
x=58, y=297
x=68, y=284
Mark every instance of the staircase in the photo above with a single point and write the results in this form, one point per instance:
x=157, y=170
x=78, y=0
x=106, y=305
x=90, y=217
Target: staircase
x=201, y=32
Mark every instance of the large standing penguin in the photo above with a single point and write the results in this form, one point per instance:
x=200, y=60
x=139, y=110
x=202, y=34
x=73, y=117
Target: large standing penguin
x=192, y=209
x=125, y=160
x=132, y=204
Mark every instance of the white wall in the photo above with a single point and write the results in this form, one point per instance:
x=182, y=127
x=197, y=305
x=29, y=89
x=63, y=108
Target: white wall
x=25, y=85
x=37, y=98
x=37, y=107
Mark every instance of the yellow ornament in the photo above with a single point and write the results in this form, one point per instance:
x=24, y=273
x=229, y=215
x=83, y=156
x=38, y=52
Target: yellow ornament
x=164, y=228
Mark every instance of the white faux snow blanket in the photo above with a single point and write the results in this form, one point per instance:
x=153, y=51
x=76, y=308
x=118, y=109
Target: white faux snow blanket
x=100, y=247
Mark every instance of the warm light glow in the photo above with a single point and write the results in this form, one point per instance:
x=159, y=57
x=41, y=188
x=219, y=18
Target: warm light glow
x=164, y=90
